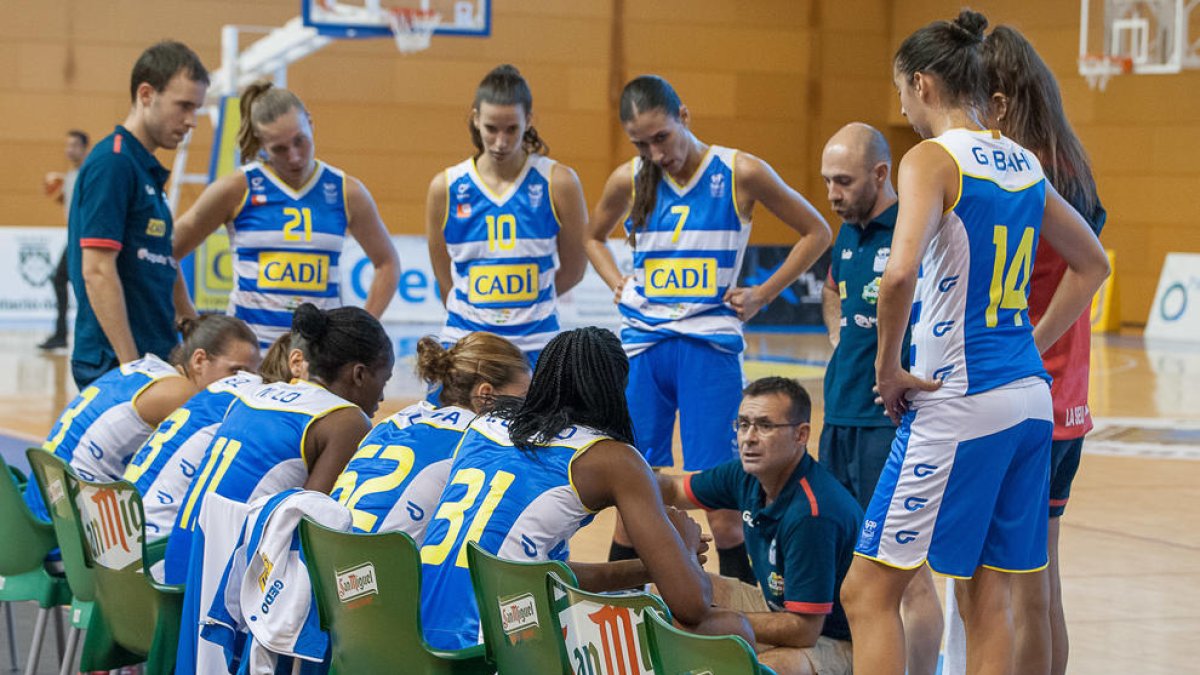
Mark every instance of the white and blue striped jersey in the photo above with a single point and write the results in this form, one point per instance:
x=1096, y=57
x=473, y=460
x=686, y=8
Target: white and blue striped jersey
x=504, y=254
x=515, y=505
x=286, y=245
x=258, y=450
x=395, y=479
x=166, y=463
x=686, y=257
x=970, y=322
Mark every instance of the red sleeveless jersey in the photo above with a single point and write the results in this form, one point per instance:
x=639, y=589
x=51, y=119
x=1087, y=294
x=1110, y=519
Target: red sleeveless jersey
x=1066, y=360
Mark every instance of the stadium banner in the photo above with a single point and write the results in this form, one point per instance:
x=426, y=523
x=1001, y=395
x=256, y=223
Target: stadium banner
x=28, y=257
x=1175, y=312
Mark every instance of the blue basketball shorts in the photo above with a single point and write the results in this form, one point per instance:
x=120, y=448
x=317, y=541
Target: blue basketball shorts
x=699, y=381
x=966, y=485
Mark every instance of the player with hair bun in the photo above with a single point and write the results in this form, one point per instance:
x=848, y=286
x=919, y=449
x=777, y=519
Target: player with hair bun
x=505, y=226
x=287, y=214
x=298, y=434
x=472, y=374
x=965, y=487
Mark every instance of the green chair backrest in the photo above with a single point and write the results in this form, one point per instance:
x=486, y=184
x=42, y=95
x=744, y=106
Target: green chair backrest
x=26, y=539
x=602, y=634
x=50, y=472
x=676, y=652
x=141, y=615
x=368, y=590
x=514, y=611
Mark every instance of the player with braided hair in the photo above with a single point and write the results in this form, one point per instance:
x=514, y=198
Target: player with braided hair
x=530, y=474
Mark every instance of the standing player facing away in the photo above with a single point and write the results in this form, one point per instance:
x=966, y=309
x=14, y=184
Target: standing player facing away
x=689, y=207
x=505, y=226
x=298, y=434
x=287, y=214
x=119, y=231
x=109, y=420
x=395, y=479
x=965, y=488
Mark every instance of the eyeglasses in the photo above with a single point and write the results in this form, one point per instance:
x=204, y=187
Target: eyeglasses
x=765, y=428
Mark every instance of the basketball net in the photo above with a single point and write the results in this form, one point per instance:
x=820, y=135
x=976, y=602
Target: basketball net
x=412, y=28
x=1099, y=69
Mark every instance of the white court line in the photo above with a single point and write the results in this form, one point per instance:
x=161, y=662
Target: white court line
x=1182, y=441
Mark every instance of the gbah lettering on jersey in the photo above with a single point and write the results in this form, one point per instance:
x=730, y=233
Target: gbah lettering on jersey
x=1015, y=161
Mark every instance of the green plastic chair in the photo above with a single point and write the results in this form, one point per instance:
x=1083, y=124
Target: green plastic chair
x=376, y=628
x=142, y=615
x=514, y=611
x=677, y=652
x=99, y=651
x=23, y=575
x=602, y=633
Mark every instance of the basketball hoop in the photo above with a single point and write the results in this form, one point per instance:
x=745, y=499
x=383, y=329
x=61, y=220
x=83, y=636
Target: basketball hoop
x=412, y=28
x=1099, y=68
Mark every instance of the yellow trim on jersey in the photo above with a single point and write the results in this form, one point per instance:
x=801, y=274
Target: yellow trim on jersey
x=550, y=190
x=571, y=472
x=733, y=190
x=997, y=184
x=446, y=215
x=296, y=193
x=960, y=173
x=345, y=199
x=155, y=379
x=691, y=181
x=318, y=416
x=242, y=204
x=435, y=425
x=1006, y=571
x=496, y=199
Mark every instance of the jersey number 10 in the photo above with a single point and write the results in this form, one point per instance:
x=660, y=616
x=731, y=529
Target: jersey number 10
x=502, y=232
x=1010, y=278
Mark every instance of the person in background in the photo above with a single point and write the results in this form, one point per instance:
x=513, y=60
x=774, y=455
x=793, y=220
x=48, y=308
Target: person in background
x=61, y=186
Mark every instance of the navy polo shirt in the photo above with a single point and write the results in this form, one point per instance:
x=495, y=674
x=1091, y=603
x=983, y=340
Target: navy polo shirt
x=800, y=545
x=120, y=204
x=858, y=258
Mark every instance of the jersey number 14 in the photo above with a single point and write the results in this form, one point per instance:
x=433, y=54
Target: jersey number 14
x=1010, y=278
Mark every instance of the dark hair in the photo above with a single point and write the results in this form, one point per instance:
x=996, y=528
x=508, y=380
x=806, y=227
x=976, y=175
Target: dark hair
x=786, y=386
x=274, y=367
x=504, y=85
x=642, y=94
x=952, y=50
x=477, y=357
x=262, y=103
x=1035, y=118
x=162, y=62
x=331, y=339
x=211, y=332
x=579, y=379
x=80, y=136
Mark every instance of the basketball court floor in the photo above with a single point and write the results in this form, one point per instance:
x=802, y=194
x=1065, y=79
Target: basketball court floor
x=1130, y=553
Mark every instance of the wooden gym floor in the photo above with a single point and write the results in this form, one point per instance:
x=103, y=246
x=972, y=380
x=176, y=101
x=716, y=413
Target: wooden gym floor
x=1130, y=555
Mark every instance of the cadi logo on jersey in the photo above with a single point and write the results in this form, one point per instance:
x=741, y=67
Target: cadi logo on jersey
x=681, y=277
x=494, y=284
x=284, y=270
x=536, y=192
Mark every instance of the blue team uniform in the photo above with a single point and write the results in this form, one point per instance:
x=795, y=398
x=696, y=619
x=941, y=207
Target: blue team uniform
x=395, y=479
x=166, y=463
x=680, y=335
x=967, y=479
x=286, y=246
x=514, y=505
x=504, y=254
x=258, y=450
x=101, y=429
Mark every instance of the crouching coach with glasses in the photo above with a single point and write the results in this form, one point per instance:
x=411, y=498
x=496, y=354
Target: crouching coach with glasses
x=800, y=525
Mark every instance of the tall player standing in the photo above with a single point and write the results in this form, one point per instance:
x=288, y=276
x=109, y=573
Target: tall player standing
x=505, y=226
x=689, y=208
x=965, y=487
x=288, y=214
